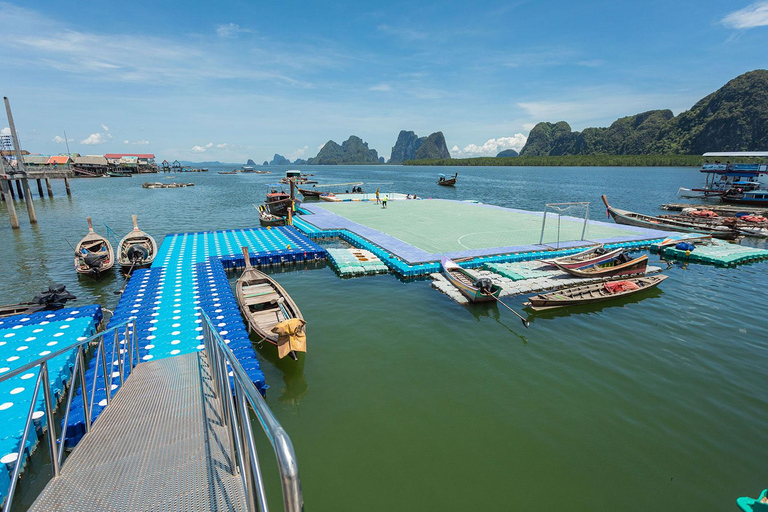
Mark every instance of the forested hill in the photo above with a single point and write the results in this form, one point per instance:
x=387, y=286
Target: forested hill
x=733, y=118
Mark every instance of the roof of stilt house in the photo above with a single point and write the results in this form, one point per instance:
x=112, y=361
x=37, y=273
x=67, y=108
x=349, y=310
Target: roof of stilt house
x=59, y=159
x=36, y=159
x=91, y=160
x=116, y=156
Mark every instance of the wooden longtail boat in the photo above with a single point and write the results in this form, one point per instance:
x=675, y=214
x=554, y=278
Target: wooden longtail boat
x=593, y=292
x=648, y=221
x=306, y=192
x=447, y=182
x=476, y=290
x=51, y=300
x=591, y=256
x=270, y=311
x=136, y=250
x=93, y=254
x=267, y=219
x=615, y=267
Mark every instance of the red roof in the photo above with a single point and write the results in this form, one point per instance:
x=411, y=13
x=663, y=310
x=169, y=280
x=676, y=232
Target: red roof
x=114, y=156
x=58, y=160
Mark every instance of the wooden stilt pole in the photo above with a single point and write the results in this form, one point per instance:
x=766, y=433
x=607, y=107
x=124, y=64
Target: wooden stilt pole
x=66, y=184
x=10, y=187
x=30, y=204
x=18, y=189
x=48, y=186
x=7, y=191
x=39, y=187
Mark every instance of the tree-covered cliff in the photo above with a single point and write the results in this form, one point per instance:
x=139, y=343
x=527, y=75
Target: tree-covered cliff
x=409, y=146
x=733, y=118
x=351, y=151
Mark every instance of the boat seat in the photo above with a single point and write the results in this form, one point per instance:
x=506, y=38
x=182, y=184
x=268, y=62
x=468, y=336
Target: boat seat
x=255, y=288
x=261, y=298
x=268, y=319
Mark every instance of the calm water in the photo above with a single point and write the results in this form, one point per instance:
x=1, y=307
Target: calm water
x=408, y=401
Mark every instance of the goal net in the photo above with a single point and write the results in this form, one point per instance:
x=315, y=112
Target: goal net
x=564, y=222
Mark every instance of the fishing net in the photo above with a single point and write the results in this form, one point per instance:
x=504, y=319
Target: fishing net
x=564, y=222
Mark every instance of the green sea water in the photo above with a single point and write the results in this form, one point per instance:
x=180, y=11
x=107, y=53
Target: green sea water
x=409, y=401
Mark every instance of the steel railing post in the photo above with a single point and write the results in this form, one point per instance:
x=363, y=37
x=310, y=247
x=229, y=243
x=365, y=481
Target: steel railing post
x=49, y=419
x=257, y=491
x=70, y=394
x=22, y=445
x=107, y=372
x=100, y=345
x=84, y=389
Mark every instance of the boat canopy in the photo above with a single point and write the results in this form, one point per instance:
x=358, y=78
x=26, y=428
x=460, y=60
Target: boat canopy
x=736, y=154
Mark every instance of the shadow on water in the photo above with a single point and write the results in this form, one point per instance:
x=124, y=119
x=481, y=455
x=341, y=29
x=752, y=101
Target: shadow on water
x=491, y=310
x=295, y=382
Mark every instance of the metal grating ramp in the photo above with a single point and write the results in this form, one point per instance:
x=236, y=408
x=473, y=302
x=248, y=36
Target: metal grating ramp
x=159, y=445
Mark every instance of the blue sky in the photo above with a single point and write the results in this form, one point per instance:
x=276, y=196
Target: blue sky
x=236, y=80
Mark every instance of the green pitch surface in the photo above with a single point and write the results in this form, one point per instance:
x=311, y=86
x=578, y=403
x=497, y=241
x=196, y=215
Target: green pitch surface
x=437, y=226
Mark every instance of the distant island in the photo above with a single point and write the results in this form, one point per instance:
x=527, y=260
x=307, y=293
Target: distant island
x=733, y=118
x=409, y=146
x=352, y=151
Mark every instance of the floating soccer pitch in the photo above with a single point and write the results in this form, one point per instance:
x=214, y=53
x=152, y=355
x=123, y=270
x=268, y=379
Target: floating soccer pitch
x=421, y=231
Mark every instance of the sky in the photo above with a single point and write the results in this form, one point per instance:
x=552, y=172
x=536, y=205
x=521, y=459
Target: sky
x=234, y=80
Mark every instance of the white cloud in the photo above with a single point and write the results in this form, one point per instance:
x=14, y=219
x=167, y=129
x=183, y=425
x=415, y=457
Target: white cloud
x=94, y=138
x=132, y=58
x=381, y=88
x=104, y=127
x=299, y=153
x=209, y=145
x=755, y=15
x=198, y=149
x=232, y=30
x=491, y=147
x=528, y=126
x=142, y=142
x=223, y=145
x=59, y=139
x=5, y=131
x=126, y=141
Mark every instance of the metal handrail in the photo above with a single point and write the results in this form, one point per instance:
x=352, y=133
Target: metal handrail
x=120, y=356
x=235, y=408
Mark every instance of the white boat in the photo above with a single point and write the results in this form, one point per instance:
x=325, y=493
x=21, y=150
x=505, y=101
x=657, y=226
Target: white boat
x=722, y=177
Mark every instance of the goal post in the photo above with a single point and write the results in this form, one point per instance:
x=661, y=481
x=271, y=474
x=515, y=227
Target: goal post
x=570, y=221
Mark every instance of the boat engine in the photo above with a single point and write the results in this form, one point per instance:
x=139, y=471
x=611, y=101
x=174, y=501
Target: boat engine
x=485, y=285
x=137, y=253
x=55, y=298
x=94, y=260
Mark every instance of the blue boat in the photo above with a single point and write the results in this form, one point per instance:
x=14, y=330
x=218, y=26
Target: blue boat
x=754, y=505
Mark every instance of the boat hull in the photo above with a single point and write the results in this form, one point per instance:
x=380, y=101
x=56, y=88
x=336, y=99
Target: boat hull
x=585, y=258
x=463, y=280
x=264, y=304
x=628, y=218
x=636, y=266
x=98, y=250
x=589, y=294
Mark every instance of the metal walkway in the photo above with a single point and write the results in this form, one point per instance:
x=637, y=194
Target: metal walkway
x=162, y=444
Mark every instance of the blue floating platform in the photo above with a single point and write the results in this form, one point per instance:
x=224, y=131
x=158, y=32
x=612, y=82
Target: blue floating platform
x=188, y=277
x=23, y=339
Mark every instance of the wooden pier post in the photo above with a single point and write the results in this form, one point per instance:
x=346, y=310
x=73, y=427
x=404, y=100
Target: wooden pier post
x=30, y=204
x=48, y=186
x=39, y=187
x=66, y=184
x=7, y=194
x=18, y=189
